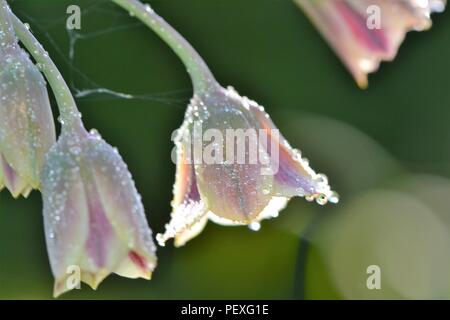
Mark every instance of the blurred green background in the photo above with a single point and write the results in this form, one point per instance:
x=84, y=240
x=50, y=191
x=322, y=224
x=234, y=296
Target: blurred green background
x=386, y=150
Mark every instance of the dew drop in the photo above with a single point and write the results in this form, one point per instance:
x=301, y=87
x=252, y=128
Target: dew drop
x=321, y=199
x=95, y=134
x=75, y=150
x=148, y=8
x=254, y=226
x=161, y=240
x=334, y=197
x=322, y=179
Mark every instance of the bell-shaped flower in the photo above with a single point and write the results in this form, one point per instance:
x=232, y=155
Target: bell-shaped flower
x=363, y=33
x=94, y=218
x=234, y=167
x=27, y=129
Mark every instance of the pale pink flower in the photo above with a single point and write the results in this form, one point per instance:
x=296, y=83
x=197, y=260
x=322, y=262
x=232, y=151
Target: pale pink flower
x=93, y=214
x=235, y=193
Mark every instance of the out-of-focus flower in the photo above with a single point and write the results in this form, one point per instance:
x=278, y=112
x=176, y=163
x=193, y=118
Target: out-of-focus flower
x=363, y=33
x=94, y=217
x=395, y=230
x=233, y=192
x=27, y=129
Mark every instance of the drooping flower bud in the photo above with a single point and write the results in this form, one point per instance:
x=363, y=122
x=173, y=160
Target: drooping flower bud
x=363, y=33
x=93, y=214
x=27, y=129
x=234, y=167
x=241, y=170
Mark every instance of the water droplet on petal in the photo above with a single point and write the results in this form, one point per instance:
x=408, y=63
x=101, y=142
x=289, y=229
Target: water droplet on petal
x=322, y=199
x=334, y=197
x=254, y=226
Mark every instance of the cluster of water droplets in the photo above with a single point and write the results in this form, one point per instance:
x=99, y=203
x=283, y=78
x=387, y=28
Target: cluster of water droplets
x=185, y=217
x=318, y=188
x=423, y=9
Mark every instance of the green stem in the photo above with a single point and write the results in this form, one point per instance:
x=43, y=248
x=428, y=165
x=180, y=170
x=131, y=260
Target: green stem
x=69, y=114
x=201, y=76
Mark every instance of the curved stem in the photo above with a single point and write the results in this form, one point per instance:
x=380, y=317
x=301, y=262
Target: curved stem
x=69, y=114
x=201, y=76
